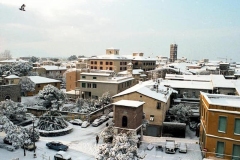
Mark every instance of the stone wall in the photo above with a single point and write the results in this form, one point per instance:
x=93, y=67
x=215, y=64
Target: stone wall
x=12, y=92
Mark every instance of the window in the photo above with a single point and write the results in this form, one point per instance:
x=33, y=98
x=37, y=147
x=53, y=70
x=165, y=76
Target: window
x=151, y=118
x=94, y=85
x=94, y=77
x=101, y=68
x=236, y=153
x=39, y=85
x=89, y=85
x=237, y=126
x=106, y=63
x=95, y=67
x=111, y=63
x=220, y=149
x=95, y=62
x=120, y=63
x=101, y=63
x=91, y=62
x=83, y=77
x=124, y=121
x=222, y=124
x=158, y=105
x=110, y=68
x=83, y=85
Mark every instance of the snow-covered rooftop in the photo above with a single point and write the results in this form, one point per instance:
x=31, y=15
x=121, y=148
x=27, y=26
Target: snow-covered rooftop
x=50, y=68
x=222, y=100
x=39, y=79
x=221, y=82
x=110, y=80
x=146, y=88
x=188, y=84
x=95, y=74
x=134, y=71
x=13, y=61
x=206, y=78
x=129, y=103
x=141, y=58
x=105, y=56
x=11, y=77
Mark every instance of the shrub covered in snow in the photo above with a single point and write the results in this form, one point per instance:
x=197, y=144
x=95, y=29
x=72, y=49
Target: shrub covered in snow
x=52, y=97
x=26, y=85
x=52, y=120
x=181, y=113
x=124, y=146
x=17, y=135
x=12, y=110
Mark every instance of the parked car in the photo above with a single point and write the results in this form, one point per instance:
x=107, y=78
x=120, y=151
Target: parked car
x=6, y=141
x=9, y=148
x=182, y=148
x=61, y=155
x=170, y=146
x=76, y=122
x=104, y=118
x=29, y=147
x=58, y=146
x=96, y=122
x=85, y=124
x=110, y=115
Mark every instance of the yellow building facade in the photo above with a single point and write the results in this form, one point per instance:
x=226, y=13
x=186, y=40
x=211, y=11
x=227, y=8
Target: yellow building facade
x=220, y=126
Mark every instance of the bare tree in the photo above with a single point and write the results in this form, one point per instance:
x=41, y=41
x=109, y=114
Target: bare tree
x=5, y=55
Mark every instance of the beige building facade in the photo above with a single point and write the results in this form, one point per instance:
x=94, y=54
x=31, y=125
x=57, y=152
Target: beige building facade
x=157, y=102
x=93, y=85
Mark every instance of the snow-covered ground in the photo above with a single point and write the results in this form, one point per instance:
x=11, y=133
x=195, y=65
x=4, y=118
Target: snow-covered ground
x=82, y=145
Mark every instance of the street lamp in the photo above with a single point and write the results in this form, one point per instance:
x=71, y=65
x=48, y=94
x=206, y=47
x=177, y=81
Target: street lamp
x=34, y=147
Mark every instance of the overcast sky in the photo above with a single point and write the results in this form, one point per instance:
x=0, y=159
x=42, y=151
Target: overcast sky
x=201, y=28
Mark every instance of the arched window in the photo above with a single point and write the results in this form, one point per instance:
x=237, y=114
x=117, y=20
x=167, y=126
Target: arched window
x=7, y=98
x=124, y=121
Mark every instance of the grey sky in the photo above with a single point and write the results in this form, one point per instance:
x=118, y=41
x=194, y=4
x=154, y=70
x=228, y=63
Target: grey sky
x=202, y=29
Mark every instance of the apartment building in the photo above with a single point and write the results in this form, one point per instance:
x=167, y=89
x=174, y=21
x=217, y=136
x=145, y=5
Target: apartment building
x=138, y=75
x=157, y=102
x=220, y=126
x=40, y=82
x=72, y=76
x=50, y=71
x=110, y=61
x=94, y=84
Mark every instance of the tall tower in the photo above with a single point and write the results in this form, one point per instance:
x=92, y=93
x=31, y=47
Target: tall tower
x=173, y=52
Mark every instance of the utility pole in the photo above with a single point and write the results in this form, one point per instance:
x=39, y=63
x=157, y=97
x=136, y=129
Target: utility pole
x=34, y=152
